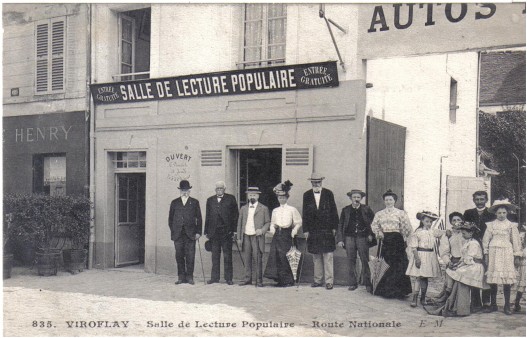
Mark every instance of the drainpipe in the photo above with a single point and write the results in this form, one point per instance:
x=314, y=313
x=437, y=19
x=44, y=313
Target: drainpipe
x=92, y=139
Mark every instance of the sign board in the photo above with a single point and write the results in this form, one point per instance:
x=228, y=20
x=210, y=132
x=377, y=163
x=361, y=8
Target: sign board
x=387, y=30
x=247, y=81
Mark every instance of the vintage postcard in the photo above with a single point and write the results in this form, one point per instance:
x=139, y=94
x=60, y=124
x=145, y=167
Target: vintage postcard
x=264, y=169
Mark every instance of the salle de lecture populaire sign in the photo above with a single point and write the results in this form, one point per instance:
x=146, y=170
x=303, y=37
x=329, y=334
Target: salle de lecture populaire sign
x=247, y=81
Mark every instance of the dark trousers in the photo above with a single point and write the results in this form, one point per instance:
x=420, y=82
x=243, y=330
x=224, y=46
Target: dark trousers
x=360, y=245
x=222, y=240
x=251, y=250
x=185, y=253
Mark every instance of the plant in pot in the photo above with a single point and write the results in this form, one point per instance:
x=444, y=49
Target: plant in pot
x=78, y=232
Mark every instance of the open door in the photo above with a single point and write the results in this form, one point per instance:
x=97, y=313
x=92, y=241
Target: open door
x=385, y=164
x=130, y=219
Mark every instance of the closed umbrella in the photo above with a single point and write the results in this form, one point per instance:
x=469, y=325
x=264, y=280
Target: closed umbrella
x=293, y=257
x=378, y=268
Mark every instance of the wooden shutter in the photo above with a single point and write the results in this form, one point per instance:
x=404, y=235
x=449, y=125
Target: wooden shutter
x=297, y=166
x=211, y=158
x=57, y=54
x=50, y=55
x=42, y=57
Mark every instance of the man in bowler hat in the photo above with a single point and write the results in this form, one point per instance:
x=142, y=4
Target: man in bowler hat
x=320, y=221
x=185, y=223
x=355, y=234
x=220, y=223
x=253, y=223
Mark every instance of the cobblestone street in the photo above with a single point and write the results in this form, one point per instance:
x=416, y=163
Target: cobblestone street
x=124, y=302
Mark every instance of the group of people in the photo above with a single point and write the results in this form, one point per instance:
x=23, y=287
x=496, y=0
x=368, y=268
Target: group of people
x=482, y=250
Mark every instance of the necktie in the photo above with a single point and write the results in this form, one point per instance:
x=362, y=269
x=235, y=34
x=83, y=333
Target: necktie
x=252, y=206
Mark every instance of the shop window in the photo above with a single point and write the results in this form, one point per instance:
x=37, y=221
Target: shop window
x=49, y=174
x=50, y=37
x=129, y=159
x=134, y=45
x=453, y=100
x=264, y=35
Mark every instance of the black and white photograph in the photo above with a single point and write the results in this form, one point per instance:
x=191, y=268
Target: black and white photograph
x=261, y=169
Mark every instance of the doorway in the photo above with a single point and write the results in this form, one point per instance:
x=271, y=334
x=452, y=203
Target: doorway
x=260, y=168
x=130, y=219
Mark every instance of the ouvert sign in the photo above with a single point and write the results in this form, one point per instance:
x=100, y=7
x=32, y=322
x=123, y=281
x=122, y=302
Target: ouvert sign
x=260, y=80
x=388, y=30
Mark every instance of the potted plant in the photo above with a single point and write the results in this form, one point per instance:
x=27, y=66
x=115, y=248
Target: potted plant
x=78, y=232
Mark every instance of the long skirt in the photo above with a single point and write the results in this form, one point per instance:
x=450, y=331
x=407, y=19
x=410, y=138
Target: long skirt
x=277, y=267
x=501, y=266
x=457, y=304
x=395, y=283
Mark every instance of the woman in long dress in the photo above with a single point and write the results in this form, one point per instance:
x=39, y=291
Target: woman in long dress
x=285, y=223
x=502, y=249
x=468, y=272
x=392, y=226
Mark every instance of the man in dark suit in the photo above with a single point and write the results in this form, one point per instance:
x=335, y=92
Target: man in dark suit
x=480, y=215
x=320, y=220
x=220, y=223
x=253, y=223
x=355, y=234
x=184, y=221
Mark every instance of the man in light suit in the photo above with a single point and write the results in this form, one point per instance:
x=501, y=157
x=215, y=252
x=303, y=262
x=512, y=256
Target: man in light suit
x=320, y=221
x=220, y=224
x=184, y=221
x=253, y=223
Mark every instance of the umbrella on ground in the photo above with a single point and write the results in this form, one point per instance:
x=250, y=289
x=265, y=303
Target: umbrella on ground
x=293, y=257
x=378, y=268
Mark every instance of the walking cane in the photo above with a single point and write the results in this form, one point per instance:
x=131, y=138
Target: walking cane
x=201, y=259
x=301, y=265
x=257, y=261
x=239, y=251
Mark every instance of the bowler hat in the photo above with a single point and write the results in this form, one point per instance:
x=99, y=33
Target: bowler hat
x=356, y=191
x=184, y=185
x=502, y=204
x=422, y=214
x=316, y=177
x=253, y=190
x=208, y=246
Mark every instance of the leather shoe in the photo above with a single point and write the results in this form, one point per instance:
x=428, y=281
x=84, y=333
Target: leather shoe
x=507, y=310
x=180, y=282
x=191, y=281
x=212, y=281
x=316, y=285
x=369, y=289
x=247, y=282
x=229, y=282
x=352, y=288
x=260, y=285
x=491, y=308
x=329, y=286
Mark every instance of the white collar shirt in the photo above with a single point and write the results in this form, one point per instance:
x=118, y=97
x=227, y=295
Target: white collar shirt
x=284, y=217
x=250, y=228
x=184, y=200
x=317, y=198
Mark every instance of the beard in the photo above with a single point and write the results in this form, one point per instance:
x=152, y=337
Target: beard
x=252, y=200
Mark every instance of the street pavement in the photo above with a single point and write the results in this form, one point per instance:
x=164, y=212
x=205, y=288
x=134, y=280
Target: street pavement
x=127, y=302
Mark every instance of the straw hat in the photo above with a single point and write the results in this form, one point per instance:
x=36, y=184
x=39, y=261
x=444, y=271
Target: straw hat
x=356, y=191
x=282, y=189
x=429, y=214
x=502, y=204
x=253, y=190
x=469, y=226
x=316, y=177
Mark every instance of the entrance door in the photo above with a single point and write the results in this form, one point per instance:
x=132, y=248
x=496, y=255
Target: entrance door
x=386, y=149
x=130, y=219
x=260, y=168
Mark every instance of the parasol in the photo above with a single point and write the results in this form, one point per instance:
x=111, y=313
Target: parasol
x=378, y=268
x=293, y=257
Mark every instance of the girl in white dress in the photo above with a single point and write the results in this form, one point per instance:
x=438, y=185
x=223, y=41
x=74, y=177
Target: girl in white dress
x=423, y=263
x=501, y=246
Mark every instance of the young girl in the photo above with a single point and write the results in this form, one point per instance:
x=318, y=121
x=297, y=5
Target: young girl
x=423, y=262
x=501, y=246
x=520, y=290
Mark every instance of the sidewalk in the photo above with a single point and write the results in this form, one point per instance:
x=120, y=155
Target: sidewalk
x=124, y=302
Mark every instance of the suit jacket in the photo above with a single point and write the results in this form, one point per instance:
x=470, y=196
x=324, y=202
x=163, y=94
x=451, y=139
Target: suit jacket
x=367, y=217
x=228, y=212
x=471, y=215
x=184, y=219
x=262, y=220
x=320, y=222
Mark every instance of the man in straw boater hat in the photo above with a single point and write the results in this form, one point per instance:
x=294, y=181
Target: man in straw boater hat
x=184, y=221
x=320, y=220
x=354, y=233
x=479, y=215
x=253, y=223
x=220, y=224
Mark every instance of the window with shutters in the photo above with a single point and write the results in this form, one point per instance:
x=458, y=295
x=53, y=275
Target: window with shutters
x=50, y=55
x=264, y=35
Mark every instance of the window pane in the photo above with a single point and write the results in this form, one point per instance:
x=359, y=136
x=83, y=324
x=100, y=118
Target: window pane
x=253, y=11
x=127, y=31
x=123, y=214
x=132, y=212
x=123, y=188
x=127, y=53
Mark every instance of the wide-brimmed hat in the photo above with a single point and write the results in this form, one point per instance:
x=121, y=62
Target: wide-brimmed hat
x=282, y=189
x=429, y=214
x=184, y=185
x=502, y=204
x=316, y=177
x=356, y=191
x=469, y=226
x=253, y=190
